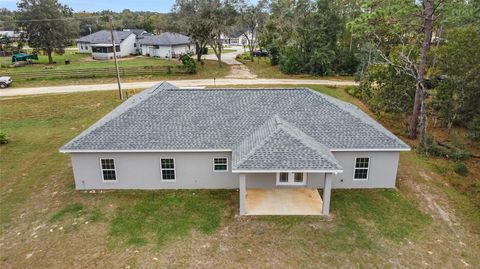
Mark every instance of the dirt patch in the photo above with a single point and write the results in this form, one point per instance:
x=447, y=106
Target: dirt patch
x=240, y=71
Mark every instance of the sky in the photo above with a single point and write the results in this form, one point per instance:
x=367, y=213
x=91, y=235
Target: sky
x=115, y=5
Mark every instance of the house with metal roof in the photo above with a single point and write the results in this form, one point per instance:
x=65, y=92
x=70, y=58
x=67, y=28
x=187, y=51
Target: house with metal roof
x=166, y=45
x=277, y=146
x=99, y=44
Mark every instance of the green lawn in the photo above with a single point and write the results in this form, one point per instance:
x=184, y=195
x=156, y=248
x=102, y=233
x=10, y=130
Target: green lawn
x=81, y=61
x=210, y=51
x=199, y=228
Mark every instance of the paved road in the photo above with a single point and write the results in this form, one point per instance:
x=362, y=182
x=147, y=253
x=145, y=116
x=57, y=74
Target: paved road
x=179, y=83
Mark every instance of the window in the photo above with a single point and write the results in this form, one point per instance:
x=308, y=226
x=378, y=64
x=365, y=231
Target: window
x=220, y=164
x=361, y=168
x=298, y=177
x=283, y=178
x=168, y=169
x=293, y=178
x=108, y=169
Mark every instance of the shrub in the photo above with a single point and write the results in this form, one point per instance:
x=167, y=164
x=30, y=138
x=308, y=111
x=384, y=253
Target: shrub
x=189, y=64
x=273, y=55
x=290, y=62
x=474, y=129
x=460, y=168
x=3, y=138
x=430, y=148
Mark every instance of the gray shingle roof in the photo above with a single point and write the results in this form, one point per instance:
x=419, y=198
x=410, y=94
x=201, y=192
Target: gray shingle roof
x=277, y=145
x=104, y=37
x=294, y=127
x=165, y=39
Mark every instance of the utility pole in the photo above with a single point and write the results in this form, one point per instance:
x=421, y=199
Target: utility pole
x=120, y=94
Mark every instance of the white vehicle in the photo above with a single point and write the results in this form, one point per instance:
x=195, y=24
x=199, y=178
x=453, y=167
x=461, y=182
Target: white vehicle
x=5, y=82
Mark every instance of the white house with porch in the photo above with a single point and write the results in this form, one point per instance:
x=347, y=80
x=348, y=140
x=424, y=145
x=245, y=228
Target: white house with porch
x=277, y=146
x=99, y=44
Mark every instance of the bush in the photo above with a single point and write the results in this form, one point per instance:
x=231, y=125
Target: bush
x=430, y=148
x=189, y=64
x=290, y=62
x=460, y=168
x=273, y=55
x=474, y=129
x=3, y=138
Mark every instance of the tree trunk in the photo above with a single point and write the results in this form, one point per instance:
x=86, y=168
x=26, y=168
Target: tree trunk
x=199, y=51
x=49, y=53
x=428, y=15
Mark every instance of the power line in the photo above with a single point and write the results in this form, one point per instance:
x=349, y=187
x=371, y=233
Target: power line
x=63, y=19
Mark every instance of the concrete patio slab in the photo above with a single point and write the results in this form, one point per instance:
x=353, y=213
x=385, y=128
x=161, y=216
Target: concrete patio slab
x=283, y=201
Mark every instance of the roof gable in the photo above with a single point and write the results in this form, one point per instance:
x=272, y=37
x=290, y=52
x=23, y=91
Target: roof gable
x=279, y=146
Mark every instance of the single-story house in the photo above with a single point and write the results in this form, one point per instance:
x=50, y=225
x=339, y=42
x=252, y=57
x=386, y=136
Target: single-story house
x=166, y=45
x=280, y=143
x=99, y=44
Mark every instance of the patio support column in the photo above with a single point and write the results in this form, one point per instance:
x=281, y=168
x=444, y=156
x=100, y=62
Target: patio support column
x=327, y=188
x=243, y=192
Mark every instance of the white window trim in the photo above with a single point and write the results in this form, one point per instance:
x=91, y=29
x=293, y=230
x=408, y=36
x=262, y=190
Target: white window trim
x=291, y=179
x=219, y=171
x=368, y=168
x=174, y=170
x=115, y=169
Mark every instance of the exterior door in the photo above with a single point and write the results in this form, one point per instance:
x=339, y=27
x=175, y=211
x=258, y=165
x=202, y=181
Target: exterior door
x=291, y=178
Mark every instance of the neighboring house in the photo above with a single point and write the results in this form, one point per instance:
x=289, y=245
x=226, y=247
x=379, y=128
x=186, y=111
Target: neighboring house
x=12, y=35
x=140, y=33
x=166, y=45
x=267, y=139
x=235, y=39
x=99, y=44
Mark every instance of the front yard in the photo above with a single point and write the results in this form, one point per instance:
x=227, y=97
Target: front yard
x=45, y=223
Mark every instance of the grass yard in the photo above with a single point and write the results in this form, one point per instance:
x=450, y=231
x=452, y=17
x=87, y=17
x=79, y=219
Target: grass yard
x=84, y=61
x=211, y=51
x=45, y=223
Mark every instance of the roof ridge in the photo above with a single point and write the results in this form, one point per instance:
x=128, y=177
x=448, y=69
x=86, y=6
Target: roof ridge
x=121, y=109
x=258, y=145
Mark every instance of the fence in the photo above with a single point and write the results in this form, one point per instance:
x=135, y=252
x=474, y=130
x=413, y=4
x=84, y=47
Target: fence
x=93, y=72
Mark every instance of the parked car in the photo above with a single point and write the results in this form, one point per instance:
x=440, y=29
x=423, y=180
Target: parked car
x=260, y=53
x=5, y=82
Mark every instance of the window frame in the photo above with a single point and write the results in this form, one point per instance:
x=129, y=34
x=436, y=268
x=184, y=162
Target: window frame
x=355, y=168
x=291, y=179
x=114, y=169
x=174, y=170
x=219, y=171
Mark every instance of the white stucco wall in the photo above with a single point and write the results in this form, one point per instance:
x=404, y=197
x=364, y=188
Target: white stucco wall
x=84, y=47
x=165, y=51
x=195, y=171
x=127, y=47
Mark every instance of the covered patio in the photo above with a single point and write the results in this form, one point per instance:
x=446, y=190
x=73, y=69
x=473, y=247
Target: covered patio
x=284, y=201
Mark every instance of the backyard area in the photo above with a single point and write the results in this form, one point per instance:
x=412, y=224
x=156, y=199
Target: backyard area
x=432, y=219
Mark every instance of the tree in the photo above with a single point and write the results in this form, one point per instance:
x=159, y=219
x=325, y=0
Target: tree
x=46, y=24
x=458, y=91
x=193, y=19
x=6, y=20
x=428, y=14
x=250, y=21
x=222, y=18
